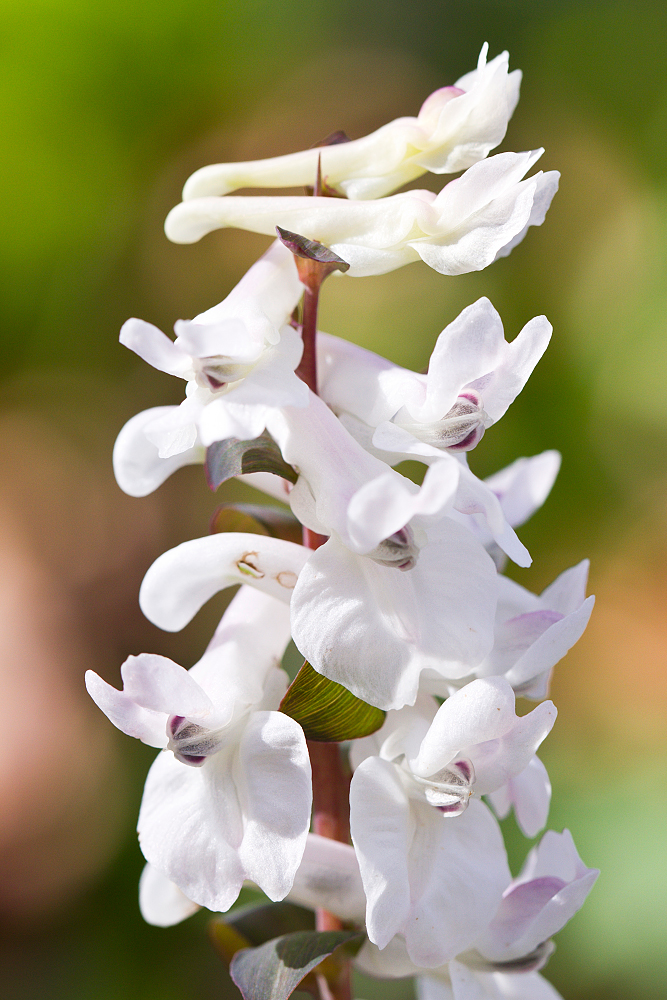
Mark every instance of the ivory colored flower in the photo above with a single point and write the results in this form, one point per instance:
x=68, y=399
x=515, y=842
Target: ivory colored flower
x=456, y=127
x=476, y=218
x=232, y=799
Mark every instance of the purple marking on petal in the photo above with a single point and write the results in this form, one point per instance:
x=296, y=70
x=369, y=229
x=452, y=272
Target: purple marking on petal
x=455, y=809
x=473, y=396
x=469, y=442
x=174, y=724
x=465, y=768
x=191, y=760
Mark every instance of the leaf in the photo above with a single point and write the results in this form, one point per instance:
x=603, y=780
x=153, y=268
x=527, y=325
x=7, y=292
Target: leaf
x=264, y=921
x=301, y=246
x=225, y=459
x=257, y=519
x=274, y=970
x=252, y=925
x=327, y=711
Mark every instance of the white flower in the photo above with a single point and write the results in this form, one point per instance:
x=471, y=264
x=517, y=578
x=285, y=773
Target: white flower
x=232, y=800
x=455, y=127
x=503, y=961
x=356, y=619
x=238, y=360
x=473, y=376
x=475, y=218
x=432, y=861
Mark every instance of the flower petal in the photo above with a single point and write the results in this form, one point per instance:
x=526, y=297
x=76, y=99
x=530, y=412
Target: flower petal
x=181, y=580
x=329, y=877
x=382, y=828
x=275, y=795
x=137, y=464
x=155, y=347
x=190, y=826
x=458, y=870
x=161, y=902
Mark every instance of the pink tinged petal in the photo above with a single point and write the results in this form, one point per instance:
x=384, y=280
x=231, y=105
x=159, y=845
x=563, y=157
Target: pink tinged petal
x=534, y=910
x=497, y=760
x=137, y=464
x=155, y=347
x=457, y=871
x=529, y=793
x=267, y=483
x=228, y=339
x=482, y=710
x=332, y=464
x=275, y=795
x=225, y=418
x=181, y=580
x=551, y=646
x=142, y=723
x=161, y=902
x=329, y=877
x=191, y=826
x=159, y=684
x=556, y=855
x=264, y=297
x=523, y=486
x=374, y=630
x=175, y=429
x=382, y=829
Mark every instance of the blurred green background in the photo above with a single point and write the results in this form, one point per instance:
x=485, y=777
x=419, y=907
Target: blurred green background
x=107, y=108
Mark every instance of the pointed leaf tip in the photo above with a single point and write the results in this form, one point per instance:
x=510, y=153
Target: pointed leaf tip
x=326, y=711
x=274, y=970
x=301, y=246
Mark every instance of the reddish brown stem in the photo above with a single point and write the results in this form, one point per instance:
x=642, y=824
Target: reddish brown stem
x=307, y=369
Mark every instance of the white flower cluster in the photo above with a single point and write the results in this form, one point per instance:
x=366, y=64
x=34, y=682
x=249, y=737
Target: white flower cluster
x=404, y=604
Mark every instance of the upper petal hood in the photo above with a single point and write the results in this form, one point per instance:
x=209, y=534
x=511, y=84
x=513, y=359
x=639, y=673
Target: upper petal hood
x=456, y=126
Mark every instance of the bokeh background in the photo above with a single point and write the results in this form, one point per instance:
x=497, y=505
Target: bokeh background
x=107, y=108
